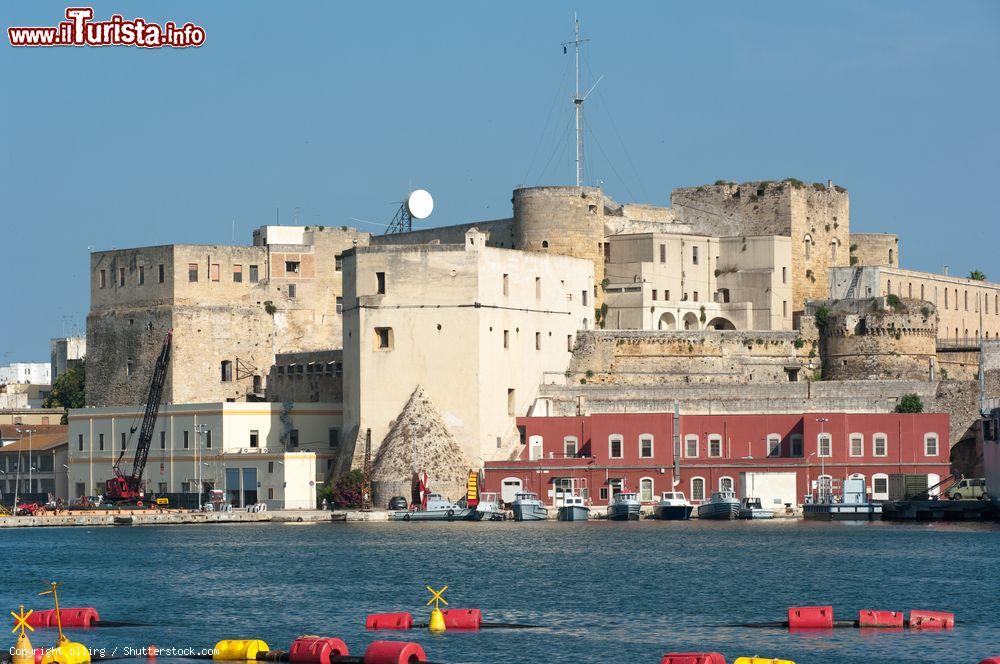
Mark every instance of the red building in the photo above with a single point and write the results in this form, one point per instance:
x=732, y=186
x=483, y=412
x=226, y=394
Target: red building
x=601, y=454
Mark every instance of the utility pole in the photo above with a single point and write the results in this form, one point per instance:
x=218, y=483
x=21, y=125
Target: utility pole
x=577, y=99
x=201, y=430
x=822, y=458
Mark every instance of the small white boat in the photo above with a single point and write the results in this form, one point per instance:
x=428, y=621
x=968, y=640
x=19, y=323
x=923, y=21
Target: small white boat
x=527, y=507
x=624, y=507
x=674, y=507
x=488, y=509
x=438, y=508
x=573, y=508
x=722, y=505
x=751, y=508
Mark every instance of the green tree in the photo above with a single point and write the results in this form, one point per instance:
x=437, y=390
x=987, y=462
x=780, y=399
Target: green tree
x=69, y=390
x=910, y=403
x=977, y=275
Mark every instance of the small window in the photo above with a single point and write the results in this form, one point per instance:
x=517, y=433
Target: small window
x=338, y=263
x=293, y=437
x=714, y=446
x=796, y=445
x=270, y=466
x=187, y=442
x=930, y=444
x=663, y=253
x=292, y=267
x=333, y=438
x=505, y=284
x=569, y=343
x=538, y=288
x=603, y=493
x=583, y=297
x=725, y=483
x=774, y=445
x=208, y=438
x=824, y=445
x=254, y=438
x=545, y=244
x=784, y=275
x=694, y=255
x=253, y=274
x=857, y=445
x=214, y=272
x=880, y=445
x=570, y=446
x=645, y=447
x=104, y=279
x=100, y=442
x=538, y=340
x=121, y=277
x=227, y=371
x=79, y=442
x=784, y=308
x=380, y=283
x=654, y=295
x=270, y=493
x=129, y=367
x=697, y=488
x=142, y=275
x=506, y=338
x=160, y=275
x=695, y=298
x=340, y=305
x=192, y=272
x=292, y=291
x=615, y=447
x=691, y=446
x=383, y=338
x=237, y=274
x=511, y=402
x=163, y=440
x=880, y=486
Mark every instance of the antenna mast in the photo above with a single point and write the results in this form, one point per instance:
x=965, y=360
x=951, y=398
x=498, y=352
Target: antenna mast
x=577, y=99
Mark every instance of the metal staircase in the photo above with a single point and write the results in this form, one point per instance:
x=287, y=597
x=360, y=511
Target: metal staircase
x=855, y=279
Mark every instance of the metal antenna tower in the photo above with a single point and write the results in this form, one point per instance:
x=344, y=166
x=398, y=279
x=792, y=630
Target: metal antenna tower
x=577, y=99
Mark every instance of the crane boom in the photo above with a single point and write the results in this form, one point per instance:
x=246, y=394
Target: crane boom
x=129, y=487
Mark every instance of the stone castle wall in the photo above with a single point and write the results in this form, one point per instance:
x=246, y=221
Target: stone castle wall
x=874, y=249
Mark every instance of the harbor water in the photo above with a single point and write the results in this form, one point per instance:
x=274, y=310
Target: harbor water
x=600, y=591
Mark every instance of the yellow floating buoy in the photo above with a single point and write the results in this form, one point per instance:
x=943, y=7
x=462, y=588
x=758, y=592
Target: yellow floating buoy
x=67, y=652
x=761, y=660
x=436, y=623
x=238, y=650
x=23, y=653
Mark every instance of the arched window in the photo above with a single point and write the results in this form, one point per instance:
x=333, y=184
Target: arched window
x=921, y=291
x=698, y=488
x=888, y=286
x=834, y=244
x=856, y=448
x=726, y=483
x=880, y=486
x=570, y=446
x=808, y=241
x=773, y=445
x=534, y=448
x=945, y=298
x=545, y=244
x=646, y=489
x=691, y=446
x=615, y=446
x=909, y=289
x=890, y=257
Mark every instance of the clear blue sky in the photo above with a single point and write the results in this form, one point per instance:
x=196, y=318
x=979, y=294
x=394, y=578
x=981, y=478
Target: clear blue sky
x=337, y=109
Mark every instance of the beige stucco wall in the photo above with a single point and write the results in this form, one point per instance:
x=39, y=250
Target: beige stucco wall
x=448, y=313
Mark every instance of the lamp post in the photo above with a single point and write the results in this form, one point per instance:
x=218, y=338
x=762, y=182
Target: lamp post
x=30, y=469
x=201, y=429
x=822, y=458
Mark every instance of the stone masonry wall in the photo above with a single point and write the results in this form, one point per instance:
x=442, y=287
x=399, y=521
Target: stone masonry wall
x=874, y=249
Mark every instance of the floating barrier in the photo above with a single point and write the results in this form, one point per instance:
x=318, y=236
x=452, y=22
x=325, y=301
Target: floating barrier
x=810, y=617
x=75, y=617
x=890, y=619
x=991, y=660
x=761, y=660
x=693, y=658
x=238, y=650
x=389, y=621
x=467, y=619
x=394, y=652
x=931, y=620
x=316, y=649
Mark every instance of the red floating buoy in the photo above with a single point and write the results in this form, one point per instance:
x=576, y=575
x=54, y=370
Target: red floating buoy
x=151, y=653
x=389, y=621
x=42, y=618
x=316, y=649
x=693, y=658
x=810, y=617
x=462, y=618
x=869, y=618
x=78, y=617
x=931, y=620
x=991, y=660
x=394, y=652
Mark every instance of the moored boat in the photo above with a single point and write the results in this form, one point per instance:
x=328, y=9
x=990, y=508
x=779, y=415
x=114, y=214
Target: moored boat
x=722, y=505
x=527, y=507
x=488, y=508
x=751, y=508
x=674, y=507
x=624, y=506
x=438, y=508
x=573, y=508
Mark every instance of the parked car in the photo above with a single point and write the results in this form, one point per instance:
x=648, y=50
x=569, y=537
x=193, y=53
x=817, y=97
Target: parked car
x=967, y=488
x=397, y=504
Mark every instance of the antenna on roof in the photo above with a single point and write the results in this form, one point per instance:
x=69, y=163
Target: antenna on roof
x=577, y=99
x=418, y=205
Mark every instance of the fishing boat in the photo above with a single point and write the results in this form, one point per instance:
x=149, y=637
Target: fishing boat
x=674, y=507
x=722, y=505
x=751, y=508
x=573, y=508
x=438, y=508
x=488, y=508
x=527, y=507
x=624, y=506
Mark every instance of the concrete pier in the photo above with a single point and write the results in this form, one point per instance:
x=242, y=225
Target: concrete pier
x=179, y=517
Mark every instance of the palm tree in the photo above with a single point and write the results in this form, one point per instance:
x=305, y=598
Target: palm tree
x=977, y=275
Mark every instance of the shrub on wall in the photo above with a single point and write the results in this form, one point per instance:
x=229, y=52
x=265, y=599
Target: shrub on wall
x=910, y=403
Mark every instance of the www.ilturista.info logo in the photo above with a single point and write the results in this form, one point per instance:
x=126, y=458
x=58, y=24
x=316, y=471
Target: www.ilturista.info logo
x=80, y=30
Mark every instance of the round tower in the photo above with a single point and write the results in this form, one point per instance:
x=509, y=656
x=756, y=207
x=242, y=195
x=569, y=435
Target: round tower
x=562, y=220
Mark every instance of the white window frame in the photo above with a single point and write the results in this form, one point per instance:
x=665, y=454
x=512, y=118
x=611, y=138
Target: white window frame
x=732, y=484
x=880, y=495
x=715, y=438
x=621, y=449
x=885, y=444
x=773, y=452
x=819, y=444
x=576, y=445
x=652, y=489
x=929, y=436
x=704, y=485
x=536, y=443
x=850, y=444
x=652, y=445
x=691, y=438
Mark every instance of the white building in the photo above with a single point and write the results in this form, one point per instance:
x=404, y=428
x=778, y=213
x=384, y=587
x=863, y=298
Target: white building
x=31, y=373
x=255, y=452
x=476, y=327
